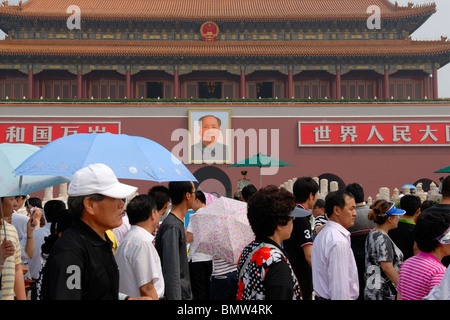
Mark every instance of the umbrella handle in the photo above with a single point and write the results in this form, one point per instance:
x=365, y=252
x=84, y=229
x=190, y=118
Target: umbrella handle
x=3, y=220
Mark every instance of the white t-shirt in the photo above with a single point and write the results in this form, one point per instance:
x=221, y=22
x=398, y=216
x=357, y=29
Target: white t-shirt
x=196, y=256
x=138, y=263
x=35, y=263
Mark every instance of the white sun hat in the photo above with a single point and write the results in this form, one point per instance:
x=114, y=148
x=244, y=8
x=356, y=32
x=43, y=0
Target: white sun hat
x=98, y=178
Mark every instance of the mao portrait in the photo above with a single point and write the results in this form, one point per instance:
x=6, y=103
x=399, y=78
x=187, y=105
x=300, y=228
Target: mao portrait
x=209, y=136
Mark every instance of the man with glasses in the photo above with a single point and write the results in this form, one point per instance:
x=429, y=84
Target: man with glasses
x=171, y=242
x=81, y=265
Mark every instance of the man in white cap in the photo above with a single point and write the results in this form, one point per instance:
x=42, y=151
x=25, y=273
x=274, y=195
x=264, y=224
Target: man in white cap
x=81, y=265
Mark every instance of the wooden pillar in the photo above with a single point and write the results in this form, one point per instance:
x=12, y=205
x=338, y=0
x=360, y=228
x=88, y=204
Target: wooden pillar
x=79, y=84
x=379, y=88
x=290, y=91
x=242, y=85
x=128, y=84
x=386, y=84
x=338, y=84
x=176, y=84
x=435, y=84
x=30, y=83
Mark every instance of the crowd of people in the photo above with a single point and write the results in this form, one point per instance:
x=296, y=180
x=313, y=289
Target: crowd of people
x=305, y=248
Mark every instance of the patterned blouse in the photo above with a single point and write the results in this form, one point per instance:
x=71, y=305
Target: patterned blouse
x=267, y=274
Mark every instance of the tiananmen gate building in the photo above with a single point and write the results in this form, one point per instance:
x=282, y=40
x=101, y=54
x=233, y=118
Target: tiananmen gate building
x=71, y=57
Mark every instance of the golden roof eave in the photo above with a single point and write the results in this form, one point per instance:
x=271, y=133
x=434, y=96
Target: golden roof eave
x=223, y=48
x=217, y=10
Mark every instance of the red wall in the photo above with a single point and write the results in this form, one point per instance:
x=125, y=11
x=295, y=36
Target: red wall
x=373, y=167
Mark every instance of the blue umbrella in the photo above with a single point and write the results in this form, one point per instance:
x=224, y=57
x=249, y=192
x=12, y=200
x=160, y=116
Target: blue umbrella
x=130, y=157
x=411, y=186
x=11, y=155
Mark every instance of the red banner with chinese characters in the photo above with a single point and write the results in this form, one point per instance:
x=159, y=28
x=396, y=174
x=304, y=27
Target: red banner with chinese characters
x=41, y=133
x=374, y=134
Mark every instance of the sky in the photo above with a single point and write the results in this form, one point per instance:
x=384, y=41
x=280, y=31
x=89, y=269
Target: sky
x=435, y=27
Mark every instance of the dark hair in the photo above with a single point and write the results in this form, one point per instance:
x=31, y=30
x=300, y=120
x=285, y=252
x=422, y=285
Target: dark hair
x=426, y=204
x=210, y=115
x=247, y=191
x=268, y=208
x=35, y=202
x=430, y=225
x=62, y=221
x=178, y=189
x=140, y=208
x=200, y=196
x=303, y=187
x=336, y=199
x=446, y=187
x=410, y=203
x=378, y=212
x=161, y=196
x=320, y=203
x=76, y=204
x=356, y=190
x=52, y=208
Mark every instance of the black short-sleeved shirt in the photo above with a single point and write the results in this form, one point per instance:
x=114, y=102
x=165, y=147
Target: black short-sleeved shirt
x=300, y=237
x=81, y=266
x=403, y=237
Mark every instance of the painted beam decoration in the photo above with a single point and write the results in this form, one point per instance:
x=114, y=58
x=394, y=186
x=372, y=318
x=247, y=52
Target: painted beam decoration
x=374, y=134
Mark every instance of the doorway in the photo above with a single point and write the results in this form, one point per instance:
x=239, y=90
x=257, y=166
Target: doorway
x=210, y=90
x=264, y=89
x=154, y=90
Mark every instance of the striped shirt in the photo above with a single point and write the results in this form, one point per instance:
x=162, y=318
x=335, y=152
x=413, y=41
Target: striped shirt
x=418, y=275
x=221, y=266
x=9, y=266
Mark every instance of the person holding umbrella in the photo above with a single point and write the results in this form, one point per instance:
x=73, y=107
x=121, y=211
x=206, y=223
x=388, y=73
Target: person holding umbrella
x=12, y=281
x=81, y=265
x=264, y=270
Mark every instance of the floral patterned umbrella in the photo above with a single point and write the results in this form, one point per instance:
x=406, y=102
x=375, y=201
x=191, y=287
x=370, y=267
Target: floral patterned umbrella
x=210, y=198
x=222, y=230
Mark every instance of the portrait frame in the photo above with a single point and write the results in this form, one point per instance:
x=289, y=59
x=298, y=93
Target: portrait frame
x=199, y=152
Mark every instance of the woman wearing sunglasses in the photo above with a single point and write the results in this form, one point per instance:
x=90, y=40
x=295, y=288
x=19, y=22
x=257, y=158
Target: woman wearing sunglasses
x=422, y=272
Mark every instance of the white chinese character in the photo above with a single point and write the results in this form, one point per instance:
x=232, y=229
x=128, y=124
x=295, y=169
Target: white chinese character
x=348, y=131
x=428, y=133
x=69, y=130
x=42, y=134
x=447, y=133
x=374, y=131
x=97, y=130
x=322, y=134
x=15, y=134
x=403, y=132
